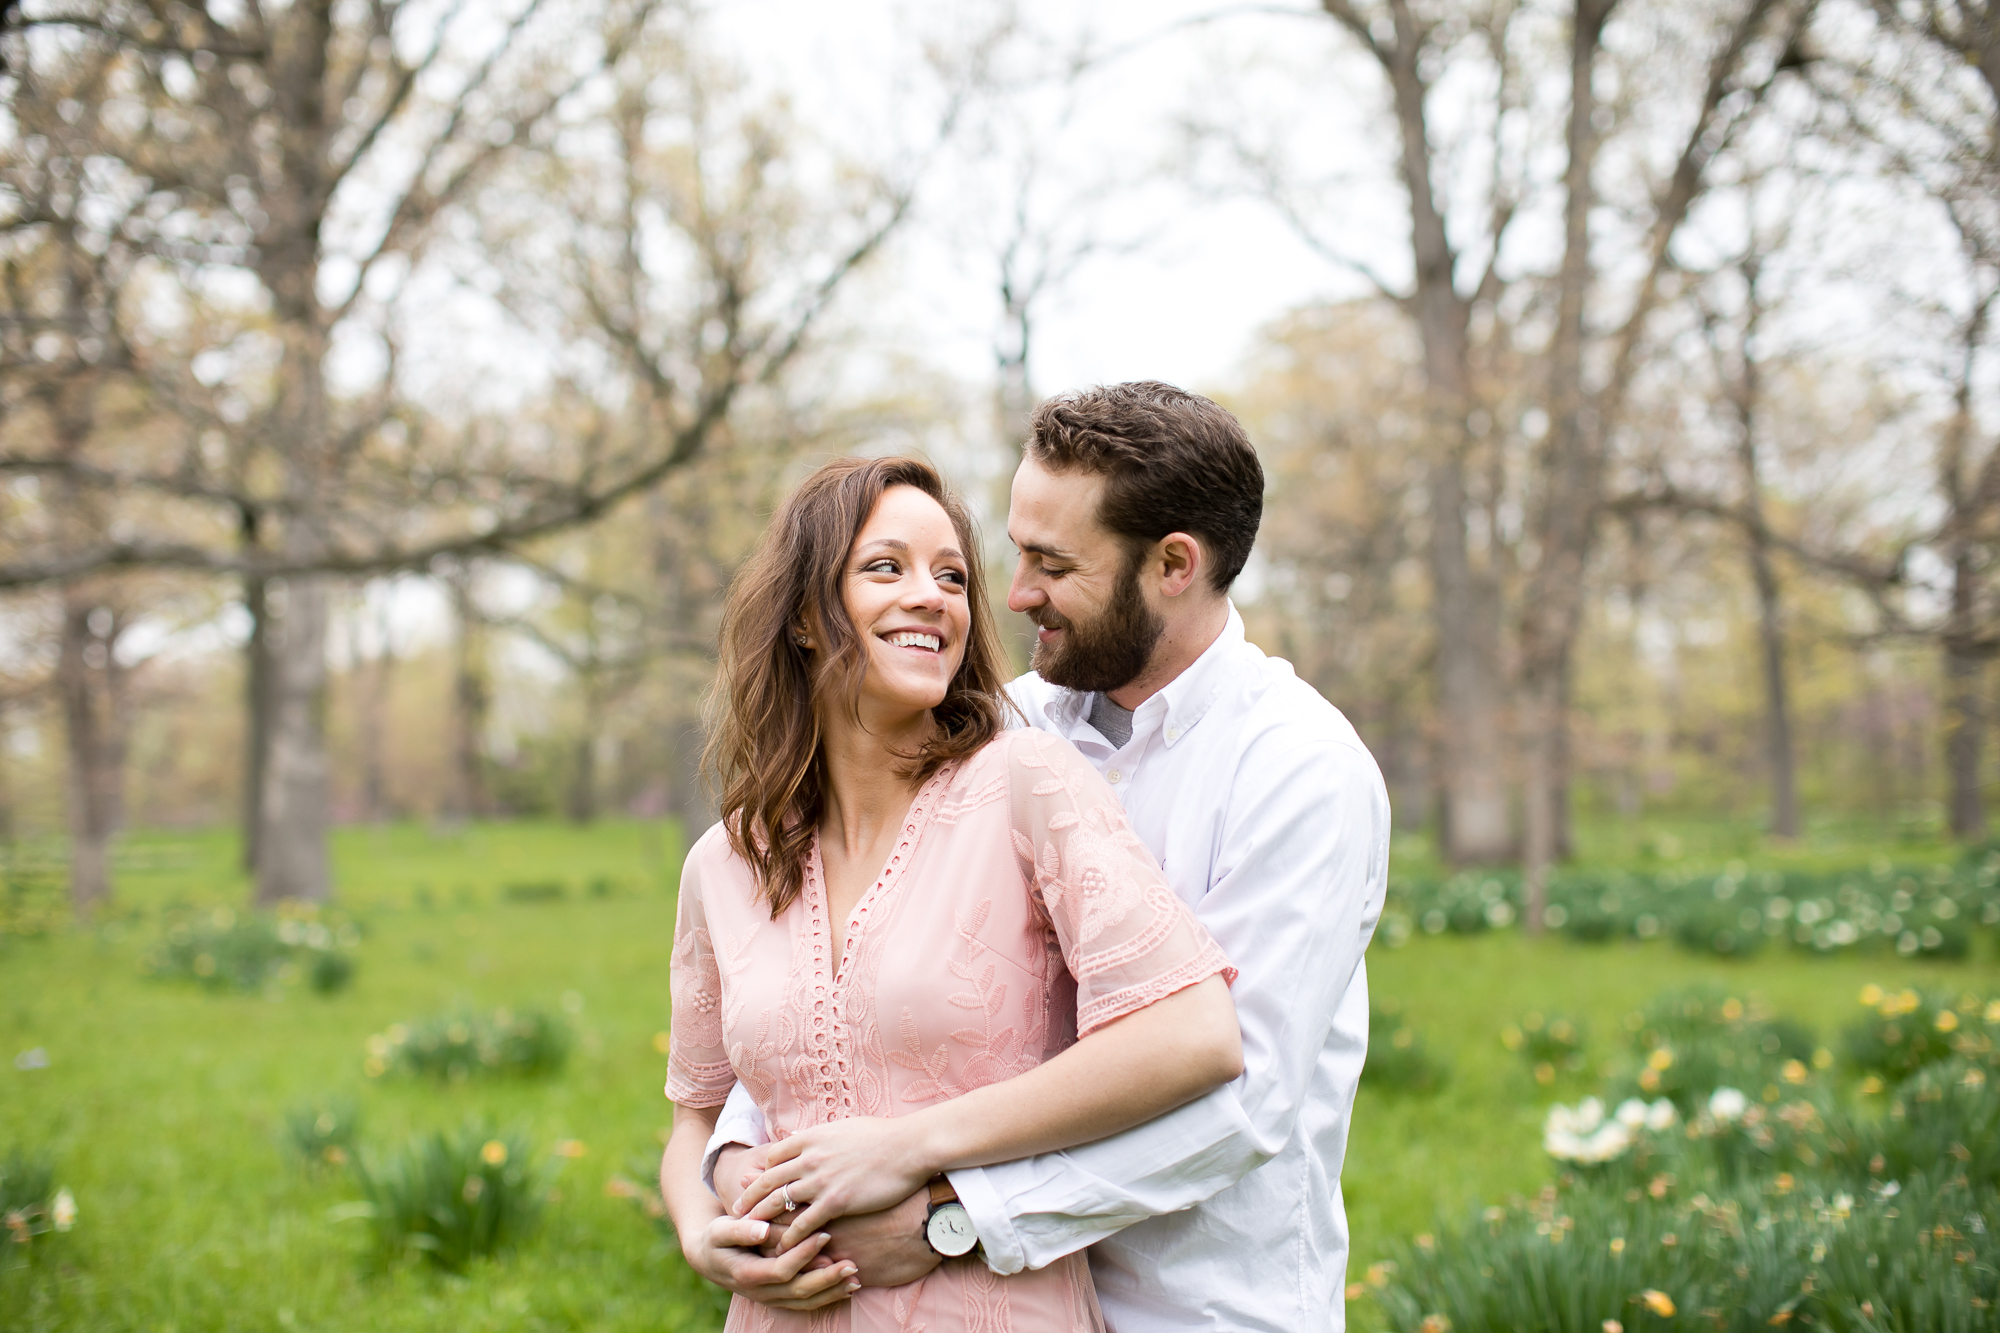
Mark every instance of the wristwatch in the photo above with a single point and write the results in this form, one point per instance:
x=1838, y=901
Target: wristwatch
x=948, y=1227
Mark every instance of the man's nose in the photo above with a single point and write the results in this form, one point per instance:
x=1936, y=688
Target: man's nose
x=1022, y=595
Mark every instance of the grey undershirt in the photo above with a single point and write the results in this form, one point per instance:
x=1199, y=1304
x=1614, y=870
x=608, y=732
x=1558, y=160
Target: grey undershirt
x=1112, y=722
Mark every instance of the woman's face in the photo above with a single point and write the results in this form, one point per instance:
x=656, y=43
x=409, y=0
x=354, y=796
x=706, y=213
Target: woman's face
x=905, y=589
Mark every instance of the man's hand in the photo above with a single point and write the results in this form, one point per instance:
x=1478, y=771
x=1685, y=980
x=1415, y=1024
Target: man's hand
x=887, y=1248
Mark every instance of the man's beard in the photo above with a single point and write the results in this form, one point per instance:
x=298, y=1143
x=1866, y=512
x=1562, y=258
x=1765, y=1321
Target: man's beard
x=1105, y=653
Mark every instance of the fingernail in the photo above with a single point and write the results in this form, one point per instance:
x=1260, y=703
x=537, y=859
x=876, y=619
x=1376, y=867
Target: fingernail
x=824, y=1238
x=763, y=1231
x=853, y=1287
x=848, y=1270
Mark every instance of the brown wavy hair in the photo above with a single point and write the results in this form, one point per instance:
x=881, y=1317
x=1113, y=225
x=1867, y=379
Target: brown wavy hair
x=771, y=694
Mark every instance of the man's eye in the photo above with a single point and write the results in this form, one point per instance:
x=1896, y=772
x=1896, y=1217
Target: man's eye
x=1053, y=573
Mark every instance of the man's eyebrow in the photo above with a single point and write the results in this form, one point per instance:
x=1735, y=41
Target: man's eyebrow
x=1037, y=548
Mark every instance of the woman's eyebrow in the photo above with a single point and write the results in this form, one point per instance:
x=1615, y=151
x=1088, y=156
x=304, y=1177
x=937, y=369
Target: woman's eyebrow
x=893, y=544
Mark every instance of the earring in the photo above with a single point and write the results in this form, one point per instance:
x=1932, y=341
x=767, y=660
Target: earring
x=799, y=637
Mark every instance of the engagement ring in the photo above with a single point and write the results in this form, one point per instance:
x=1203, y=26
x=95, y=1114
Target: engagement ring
x=790, y=1207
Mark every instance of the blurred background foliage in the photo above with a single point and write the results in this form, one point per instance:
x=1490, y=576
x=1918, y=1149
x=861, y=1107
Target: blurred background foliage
x=389, y=392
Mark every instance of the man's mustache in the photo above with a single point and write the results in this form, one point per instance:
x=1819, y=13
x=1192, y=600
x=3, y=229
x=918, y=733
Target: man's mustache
x=1046, y=618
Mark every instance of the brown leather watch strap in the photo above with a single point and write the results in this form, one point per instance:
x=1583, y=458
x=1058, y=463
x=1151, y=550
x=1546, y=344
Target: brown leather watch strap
x=941, y=1191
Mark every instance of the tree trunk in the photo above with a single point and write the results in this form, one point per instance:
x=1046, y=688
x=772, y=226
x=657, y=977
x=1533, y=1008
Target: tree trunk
x=1553, y=610
x=1464, y=606
x=94, y=715
x=6, y=783
x=581, y=804
x=1964, y=708
x=293, y=818
x=292, y=832
x=1474, y=824
x=470, y=701
x=256, y=714
x=1779, y=758
x=379, y=675
x=692, y=802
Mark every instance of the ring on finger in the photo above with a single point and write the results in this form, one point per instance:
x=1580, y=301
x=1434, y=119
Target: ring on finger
x=786, y=1193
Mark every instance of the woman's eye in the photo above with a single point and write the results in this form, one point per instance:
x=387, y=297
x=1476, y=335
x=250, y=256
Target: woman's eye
x=955, y=577
x=884, y=566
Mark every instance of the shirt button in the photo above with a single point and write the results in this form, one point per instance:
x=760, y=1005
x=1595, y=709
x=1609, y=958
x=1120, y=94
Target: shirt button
x=1173, y=733
x=1113, y=776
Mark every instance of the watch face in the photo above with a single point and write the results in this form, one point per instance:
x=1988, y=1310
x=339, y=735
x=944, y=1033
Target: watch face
x=950, y=1231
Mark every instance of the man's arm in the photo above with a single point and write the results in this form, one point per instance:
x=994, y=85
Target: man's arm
x=1300, y=880
x=741, y=1125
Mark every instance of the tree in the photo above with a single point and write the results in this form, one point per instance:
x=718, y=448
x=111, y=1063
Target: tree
x=317, y=150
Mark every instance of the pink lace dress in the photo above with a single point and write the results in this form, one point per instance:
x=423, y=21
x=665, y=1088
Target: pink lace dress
x=1017, y=911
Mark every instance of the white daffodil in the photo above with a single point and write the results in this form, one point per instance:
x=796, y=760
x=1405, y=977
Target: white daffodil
x=1727, y=1105
x=63, y=1210
x=1580, y=1133
x=1661, y=1115
x=1631, y=1113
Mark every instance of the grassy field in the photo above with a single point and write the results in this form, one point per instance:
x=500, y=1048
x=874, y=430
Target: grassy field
x=164, y=1104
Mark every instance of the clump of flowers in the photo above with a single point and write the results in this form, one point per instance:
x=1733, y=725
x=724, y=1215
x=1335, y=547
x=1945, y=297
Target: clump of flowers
x=1583, y=1134
x=1688, y=1043
x=221, y=950
x=459, y=1045
x=1398, y=1058
x=451, y=1197
x=1912, y=911
x=32, y=1207
x=1905, y=1031
x=324, y=1134
x=1549, y=1043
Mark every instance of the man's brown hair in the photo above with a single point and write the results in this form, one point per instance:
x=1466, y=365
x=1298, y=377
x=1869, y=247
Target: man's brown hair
x=1172, y=461
x=772, y=692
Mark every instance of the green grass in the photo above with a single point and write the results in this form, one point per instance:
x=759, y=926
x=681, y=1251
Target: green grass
x=165, y=1105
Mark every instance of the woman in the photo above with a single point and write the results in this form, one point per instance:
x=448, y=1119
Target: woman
x=921, y=942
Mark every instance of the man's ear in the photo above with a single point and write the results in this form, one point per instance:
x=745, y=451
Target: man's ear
x=1178, y=557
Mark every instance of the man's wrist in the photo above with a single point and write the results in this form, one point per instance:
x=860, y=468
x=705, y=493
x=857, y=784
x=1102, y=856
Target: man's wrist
x=948, y=1230
x=727, y=1182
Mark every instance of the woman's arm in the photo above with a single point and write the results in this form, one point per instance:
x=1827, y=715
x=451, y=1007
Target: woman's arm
x=723, y=1248
x=1123, y=1074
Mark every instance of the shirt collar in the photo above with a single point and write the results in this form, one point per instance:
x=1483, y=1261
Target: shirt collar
x=1186, y=697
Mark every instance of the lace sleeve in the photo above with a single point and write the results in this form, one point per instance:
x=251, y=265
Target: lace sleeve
x=698, y=1070
x=1127, y=939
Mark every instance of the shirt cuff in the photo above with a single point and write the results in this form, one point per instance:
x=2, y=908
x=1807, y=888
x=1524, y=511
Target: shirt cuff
x=730, y=1129
x=998, y=1241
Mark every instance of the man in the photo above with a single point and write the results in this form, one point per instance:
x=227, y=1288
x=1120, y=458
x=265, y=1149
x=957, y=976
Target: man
x=1134, y=510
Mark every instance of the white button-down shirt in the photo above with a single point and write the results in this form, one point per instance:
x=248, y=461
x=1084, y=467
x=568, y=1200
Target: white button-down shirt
x=1271, y=821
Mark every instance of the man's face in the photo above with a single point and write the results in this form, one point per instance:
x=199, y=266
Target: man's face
x=1078, y=582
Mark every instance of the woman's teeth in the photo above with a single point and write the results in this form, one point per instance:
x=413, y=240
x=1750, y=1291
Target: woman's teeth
x=907, y=639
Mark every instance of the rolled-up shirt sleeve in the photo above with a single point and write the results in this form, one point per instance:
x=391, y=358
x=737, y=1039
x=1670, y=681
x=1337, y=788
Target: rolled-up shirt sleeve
x=1295, y=894
x=740, y=1122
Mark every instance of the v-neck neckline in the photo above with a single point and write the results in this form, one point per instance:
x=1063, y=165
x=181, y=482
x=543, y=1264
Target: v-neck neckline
x=820, y=899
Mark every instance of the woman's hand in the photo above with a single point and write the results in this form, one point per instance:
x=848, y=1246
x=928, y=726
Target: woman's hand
x=726, y=1253
x=859, y=1165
